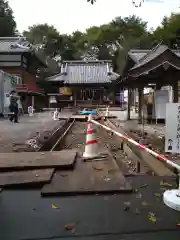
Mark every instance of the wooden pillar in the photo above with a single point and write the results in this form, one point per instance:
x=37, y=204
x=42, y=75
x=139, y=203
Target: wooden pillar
x=140, y=103
x=175, y=91
x=129, y=105
x=100, y=96
x=74, y=97
x=114, y=96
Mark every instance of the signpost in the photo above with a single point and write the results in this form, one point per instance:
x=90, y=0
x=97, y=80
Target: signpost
x=172, y=133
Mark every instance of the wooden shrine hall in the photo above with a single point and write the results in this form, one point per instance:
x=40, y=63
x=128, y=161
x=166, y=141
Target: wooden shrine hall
x=88, y=83
x=157, y=67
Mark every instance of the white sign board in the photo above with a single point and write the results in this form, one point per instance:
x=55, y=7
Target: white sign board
x=161, y=98
x=172, y=133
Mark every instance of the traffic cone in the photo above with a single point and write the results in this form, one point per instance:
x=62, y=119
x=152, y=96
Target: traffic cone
x=91, y=148
x=55, y=115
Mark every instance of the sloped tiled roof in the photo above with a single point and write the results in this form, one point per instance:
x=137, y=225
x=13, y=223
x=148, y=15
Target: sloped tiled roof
x=137, y=54
x=152, y=54
x=19, y=45
x=8, y=44
x=82, y=72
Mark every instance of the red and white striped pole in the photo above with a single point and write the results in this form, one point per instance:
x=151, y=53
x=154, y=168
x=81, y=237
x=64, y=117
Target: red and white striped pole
x=141, y=146
x=170, y=197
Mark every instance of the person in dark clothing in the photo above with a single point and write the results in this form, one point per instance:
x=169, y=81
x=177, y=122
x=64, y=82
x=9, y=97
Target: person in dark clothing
x=13, y=107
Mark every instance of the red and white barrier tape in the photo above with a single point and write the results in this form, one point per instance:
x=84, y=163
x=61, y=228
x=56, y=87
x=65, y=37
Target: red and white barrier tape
x=141, y=146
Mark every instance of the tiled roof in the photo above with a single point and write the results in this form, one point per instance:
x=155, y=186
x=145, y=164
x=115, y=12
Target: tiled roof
x=81, y=72
x=136, y=55
x=19, y=45
x=154, y=53
x=177, y=52
x=10, y=44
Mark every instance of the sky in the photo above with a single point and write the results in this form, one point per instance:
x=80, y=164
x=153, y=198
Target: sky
x=71, y=15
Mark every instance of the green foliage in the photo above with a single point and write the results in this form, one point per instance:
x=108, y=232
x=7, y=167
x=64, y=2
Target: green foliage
x=7, y=22
x=169, y=31
x=91, y=1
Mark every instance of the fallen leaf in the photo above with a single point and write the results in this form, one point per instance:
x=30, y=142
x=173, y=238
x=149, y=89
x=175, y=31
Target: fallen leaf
x=97, y=168
x=143, y=186
x=70, y=226
x=54, y=206
x=162, y=183
x=163, y=189
x=157, y=194
x=127, y=206
x=152, y=217
x=145, y=203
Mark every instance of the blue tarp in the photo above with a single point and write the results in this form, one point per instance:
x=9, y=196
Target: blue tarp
x=87, y=112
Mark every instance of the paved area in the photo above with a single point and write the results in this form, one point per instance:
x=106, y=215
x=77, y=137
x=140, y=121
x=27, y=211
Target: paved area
x=14, y=137
x=142, y=215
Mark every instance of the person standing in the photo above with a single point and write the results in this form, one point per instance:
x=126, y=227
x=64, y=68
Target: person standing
x=13, y=107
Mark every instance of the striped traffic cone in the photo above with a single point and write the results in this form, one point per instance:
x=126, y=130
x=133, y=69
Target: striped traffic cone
x=91, y=148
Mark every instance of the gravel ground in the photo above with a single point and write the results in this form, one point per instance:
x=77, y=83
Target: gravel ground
x=154, y=136
x=107, y=143
x=19, y=137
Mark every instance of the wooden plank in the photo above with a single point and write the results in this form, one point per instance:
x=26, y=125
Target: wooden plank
x=79, y=116
x=35, y=160
x=87, y=178
x=25, y=177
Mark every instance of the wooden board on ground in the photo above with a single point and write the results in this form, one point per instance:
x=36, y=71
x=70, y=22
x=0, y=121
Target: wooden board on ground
x=84, y=117
x=26, y=177
x=102, y=176
x=35, y=160
x=79, y=117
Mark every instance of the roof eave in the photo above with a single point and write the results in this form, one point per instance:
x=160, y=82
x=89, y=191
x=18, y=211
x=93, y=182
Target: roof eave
x=154, y=68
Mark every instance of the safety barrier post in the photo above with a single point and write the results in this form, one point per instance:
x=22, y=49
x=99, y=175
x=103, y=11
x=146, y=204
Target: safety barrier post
x=170, y=197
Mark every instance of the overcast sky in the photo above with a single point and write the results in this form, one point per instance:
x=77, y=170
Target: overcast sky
x=71, y=15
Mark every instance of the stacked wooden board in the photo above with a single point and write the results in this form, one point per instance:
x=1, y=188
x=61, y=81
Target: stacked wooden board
x=61, y=173
x=33, y=167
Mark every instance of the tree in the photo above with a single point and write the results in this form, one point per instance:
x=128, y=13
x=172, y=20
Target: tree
x=169, y=31
x=91, y=1
x=104, y=42
x=47, y=39
x=7, y=22
x=44, y=37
